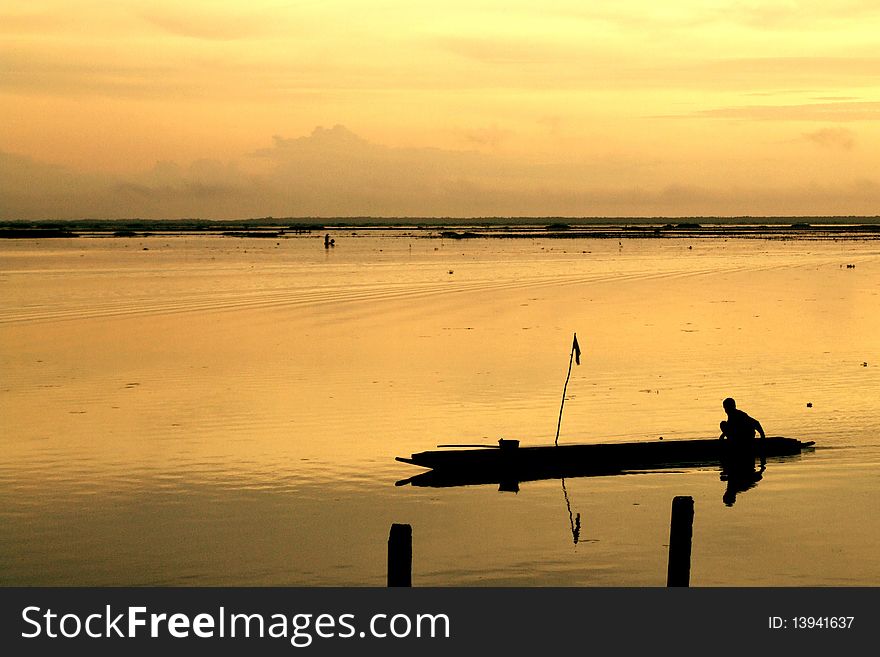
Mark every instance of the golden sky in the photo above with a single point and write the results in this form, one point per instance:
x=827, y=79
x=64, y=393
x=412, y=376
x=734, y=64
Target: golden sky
x=233, y=109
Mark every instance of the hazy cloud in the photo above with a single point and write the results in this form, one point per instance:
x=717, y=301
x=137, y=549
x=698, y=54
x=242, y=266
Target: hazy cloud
x=213, y=23
x=53, y=18
x=533, y=64
x=334, y=172
x=491, y=136
x=27, y=22
x=35, y=190
x=321, y=141
x=776, y=15
x=87, y=70
x=551, y=123
x=782, y=14
x=778, y=74
x=832, y=138
x=497, y=50
x=836, y=112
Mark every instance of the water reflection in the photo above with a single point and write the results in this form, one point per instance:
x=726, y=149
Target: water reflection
x=740, y=472
x=740, y=478
x=736, y=477
x=574, y=522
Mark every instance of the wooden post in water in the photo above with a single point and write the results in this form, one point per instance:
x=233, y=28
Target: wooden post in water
x=681, y=532
x=400, y=555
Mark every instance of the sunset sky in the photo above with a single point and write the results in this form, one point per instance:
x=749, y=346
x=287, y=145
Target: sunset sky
x=234, y=109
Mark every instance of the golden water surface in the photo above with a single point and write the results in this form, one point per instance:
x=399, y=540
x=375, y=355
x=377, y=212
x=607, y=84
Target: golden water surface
x=221, y=411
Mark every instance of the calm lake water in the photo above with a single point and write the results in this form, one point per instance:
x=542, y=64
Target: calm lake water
x=182, y=410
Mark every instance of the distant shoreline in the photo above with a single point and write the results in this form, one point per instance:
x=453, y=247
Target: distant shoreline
x=462, y=229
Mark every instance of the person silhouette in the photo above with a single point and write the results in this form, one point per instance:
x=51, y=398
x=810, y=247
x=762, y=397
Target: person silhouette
x=739, y=428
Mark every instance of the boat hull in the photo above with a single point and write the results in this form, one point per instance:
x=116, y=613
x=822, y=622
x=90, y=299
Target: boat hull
x=509, y=465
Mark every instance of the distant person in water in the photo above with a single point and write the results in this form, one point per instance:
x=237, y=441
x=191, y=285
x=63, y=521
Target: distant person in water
x=739, y=426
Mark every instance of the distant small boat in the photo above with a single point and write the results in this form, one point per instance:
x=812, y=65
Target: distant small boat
x=511, y=463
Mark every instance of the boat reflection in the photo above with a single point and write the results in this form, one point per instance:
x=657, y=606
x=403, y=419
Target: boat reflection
x=739, y=475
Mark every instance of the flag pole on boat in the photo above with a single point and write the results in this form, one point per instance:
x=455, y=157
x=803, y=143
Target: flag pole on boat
x=576, y=357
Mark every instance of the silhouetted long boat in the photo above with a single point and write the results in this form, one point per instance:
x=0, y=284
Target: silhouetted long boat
x=511, y=463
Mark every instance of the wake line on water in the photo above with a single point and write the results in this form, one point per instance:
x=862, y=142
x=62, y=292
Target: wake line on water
x=223, y=301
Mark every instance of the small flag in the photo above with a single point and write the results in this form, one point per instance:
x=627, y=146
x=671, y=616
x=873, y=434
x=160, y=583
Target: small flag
x=577, y=350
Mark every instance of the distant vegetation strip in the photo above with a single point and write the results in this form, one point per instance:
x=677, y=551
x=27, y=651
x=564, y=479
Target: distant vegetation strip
x=501, y=227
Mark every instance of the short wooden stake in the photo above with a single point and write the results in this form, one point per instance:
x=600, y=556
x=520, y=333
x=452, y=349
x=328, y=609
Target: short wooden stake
x=400, y=555
x=681, y=532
